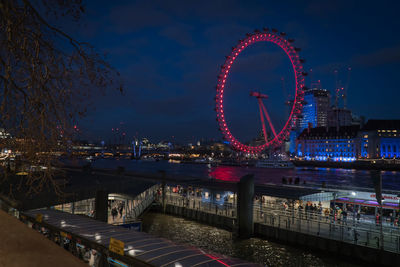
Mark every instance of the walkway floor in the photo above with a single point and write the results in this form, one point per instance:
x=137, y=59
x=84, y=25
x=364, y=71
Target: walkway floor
x=22, y=246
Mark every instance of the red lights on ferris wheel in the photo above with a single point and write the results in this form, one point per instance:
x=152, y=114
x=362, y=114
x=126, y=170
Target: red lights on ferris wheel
x=299, y=74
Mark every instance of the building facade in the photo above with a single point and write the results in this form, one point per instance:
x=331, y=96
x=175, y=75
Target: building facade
x=315, y=109
x=329, y=143
x=380, y=139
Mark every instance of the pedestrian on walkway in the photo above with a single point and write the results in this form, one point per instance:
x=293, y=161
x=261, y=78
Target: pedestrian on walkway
x=377, y=219
x=120, y=209
x=326, y=212
x=344, y=214
x=339, y=215
x=358, y=217
x=391, y=217
x=114, y=213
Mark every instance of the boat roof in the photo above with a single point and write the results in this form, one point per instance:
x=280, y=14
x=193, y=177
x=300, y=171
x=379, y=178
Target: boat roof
x=139, y=246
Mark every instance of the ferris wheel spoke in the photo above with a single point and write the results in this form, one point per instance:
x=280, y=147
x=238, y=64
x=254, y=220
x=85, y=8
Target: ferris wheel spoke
x=262, y=120
x=269, y=119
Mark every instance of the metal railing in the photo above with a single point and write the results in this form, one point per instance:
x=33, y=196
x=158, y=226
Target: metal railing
x=363, y=232
x=227, y=209
x=134, y=207
x=350, y=231
x=143, y=202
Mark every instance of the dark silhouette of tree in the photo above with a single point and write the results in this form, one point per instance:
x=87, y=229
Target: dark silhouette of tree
x=46, y=78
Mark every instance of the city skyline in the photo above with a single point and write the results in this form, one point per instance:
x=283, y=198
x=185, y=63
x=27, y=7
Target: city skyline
x=169, y=55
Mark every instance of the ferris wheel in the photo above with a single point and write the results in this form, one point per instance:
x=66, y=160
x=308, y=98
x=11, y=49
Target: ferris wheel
x=278, y=137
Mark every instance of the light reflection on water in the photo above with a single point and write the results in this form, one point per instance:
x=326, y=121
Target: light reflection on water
x=331, y=176
x=220, y=241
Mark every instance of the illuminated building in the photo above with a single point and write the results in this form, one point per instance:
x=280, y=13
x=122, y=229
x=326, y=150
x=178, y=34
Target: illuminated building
x=315, y=109
x=315, y=112
x=377, y=139
x=329, y=143
x=380, y=139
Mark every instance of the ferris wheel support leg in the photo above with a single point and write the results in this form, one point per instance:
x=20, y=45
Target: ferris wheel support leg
x=262, y=120
x=268, y=118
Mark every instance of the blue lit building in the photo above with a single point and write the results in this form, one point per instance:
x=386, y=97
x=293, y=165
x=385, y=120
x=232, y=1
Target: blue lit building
x=377, y=139
x=329, y=144
x=315, y=109
x=314, y=113
x=380, y=139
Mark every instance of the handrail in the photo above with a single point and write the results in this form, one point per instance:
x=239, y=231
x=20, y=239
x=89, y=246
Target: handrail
x=363, y=233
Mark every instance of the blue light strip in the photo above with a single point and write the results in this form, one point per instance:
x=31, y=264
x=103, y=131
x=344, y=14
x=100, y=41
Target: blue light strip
x=117, y=262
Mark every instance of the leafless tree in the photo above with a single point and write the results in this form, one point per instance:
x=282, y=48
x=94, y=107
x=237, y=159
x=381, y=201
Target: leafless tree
x=46, y=78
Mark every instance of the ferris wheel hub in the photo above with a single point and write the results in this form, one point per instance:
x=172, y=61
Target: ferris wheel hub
x=258, y=95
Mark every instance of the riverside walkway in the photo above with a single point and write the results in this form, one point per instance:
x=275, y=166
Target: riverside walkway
x=362, y=233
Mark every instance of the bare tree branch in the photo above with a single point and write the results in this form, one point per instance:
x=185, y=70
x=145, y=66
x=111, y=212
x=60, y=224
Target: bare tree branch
x=46, y=80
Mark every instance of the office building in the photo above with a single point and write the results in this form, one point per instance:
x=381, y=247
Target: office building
x=315, y=109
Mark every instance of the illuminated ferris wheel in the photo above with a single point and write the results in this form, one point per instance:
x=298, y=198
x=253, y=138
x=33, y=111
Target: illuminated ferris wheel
x=278, y=137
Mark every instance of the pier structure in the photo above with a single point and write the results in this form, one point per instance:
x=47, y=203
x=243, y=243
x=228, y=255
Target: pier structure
x=224, y=204
x=359, y=238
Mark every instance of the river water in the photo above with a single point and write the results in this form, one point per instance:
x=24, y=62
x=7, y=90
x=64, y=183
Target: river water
x=220, y=241
x=345, y=178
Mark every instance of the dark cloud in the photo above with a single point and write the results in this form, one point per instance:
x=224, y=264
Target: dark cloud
x=179, y=33
x=383, y=56
x=137, y=16
x=323, y=9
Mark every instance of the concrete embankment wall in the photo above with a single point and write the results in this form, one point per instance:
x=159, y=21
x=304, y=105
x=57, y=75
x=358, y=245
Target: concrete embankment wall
x=200, y=216
x=334, y=247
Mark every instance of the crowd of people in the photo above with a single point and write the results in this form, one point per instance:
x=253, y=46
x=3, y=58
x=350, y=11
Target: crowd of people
x=337, y=214
x=117, y=207
x=308, y=209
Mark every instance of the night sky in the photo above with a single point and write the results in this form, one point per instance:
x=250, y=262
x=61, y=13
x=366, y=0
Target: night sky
x=169, y=54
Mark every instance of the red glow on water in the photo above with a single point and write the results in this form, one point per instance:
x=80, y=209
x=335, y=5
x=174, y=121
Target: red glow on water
x=225, y=173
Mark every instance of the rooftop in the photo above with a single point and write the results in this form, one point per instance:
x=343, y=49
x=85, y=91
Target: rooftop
x=332, y=132
x=382, y=125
